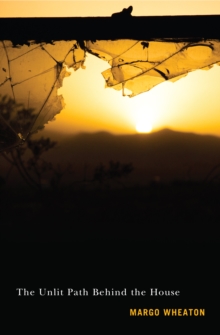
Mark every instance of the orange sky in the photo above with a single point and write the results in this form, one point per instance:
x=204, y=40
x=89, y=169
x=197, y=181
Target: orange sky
x=106, y=8
x=190, y=104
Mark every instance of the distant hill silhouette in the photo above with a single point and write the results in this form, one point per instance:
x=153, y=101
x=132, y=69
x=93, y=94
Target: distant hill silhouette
x=166, y=154
x=178, y=210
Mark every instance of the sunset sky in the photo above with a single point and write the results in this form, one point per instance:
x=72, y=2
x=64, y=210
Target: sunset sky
x=190, y=104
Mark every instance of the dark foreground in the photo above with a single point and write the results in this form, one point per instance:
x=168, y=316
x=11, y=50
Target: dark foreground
x=175, y=211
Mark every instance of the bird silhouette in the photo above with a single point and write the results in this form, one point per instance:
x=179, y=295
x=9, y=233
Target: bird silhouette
x=124, y=14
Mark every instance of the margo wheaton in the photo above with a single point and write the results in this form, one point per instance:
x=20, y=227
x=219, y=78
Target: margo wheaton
x=167, y=312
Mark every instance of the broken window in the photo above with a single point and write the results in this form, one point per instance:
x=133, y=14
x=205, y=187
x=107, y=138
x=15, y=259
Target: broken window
x=31, y=73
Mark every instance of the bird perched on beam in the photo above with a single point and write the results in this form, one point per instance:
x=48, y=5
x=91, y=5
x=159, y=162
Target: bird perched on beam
x=124, y=14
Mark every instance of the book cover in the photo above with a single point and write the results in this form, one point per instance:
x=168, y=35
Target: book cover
x=109, y=174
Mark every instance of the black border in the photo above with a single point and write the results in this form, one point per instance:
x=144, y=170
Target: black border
x=196, y=27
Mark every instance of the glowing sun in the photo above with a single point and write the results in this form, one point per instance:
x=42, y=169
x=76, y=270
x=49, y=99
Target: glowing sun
x=143, y=125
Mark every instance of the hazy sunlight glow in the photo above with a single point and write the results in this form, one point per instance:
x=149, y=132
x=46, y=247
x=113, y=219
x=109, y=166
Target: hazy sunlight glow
x=143, y=124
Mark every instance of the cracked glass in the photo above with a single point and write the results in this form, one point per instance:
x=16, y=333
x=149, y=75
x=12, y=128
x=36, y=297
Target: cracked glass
x=31, y=74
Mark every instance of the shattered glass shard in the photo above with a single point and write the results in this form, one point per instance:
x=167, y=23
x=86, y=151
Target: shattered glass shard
x=141, y=65
x=30, y=76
